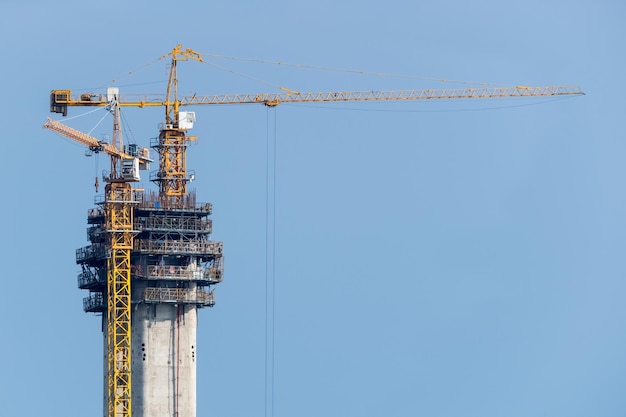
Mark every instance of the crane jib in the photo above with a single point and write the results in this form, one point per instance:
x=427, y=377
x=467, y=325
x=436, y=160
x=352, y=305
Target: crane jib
x=61, y=99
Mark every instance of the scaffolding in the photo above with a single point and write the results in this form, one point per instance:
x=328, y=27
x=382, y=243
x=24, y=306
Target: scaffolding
x=136, y=239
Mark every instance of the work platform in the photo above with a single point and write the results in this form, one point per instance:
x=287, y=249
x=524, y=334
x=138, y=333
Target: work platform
x=173, y=259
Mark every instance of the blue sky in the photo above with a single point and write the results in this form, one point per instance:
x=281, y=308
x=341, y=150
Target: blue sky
x=437, y=259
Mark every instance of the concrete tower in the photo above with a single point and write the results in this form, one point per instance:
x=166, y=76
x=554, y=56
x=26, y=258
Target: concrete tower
x=173, y=266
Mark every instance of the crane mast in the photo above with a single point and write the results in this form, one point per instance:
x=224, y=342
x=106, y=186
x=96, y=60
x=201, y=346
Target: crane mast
x=118, y=214
x=172, y=141
x=155, y=250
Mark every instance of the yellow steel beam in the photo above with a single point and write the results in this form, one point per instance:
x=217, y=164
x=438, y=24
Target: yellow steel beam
x=172, y=174
x=119, y=225
x=64, y=96
x=84, y=138
x=383, y=95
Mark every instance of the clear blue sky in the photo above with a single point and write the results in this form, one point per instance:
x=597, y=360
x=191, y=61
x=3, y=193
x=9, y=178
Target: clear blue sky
x=439, y=259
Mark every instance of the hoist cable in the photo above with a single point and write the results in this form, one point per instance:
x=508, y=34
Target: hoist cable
x=270, y=264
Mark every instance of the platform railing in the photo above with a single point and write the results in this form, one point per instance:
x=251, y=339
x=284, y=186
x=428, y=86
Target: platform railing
x=188, y=203
x=171, y=272
x=87, y=278
x=177, y=246
x=94, y=303
x=179, y=295
x=91, y=252
x=187, y=224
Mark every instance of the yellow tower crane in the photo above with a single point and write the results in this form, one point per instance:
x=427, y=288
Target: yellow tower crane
x=172, y=179
x=118, y=213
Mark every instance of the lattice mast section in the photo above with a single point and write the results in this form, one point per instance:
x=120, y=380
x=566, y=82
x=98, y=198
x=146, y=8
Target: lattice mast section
x=172, y=141
x=118, y=214
x=118, y=208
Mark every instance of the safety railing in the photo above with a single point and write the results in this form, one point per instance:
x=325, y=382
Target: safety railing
x=212, y=275
x=194, y=247
x=88, y=278
x=95, y=234
x=152, y=200
x=199, y=297
x=205, y=298
x=93, y=252
x=95, y=215
x=178, y=223
x=173, y=272
x=122, y=196
x=94, y=303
